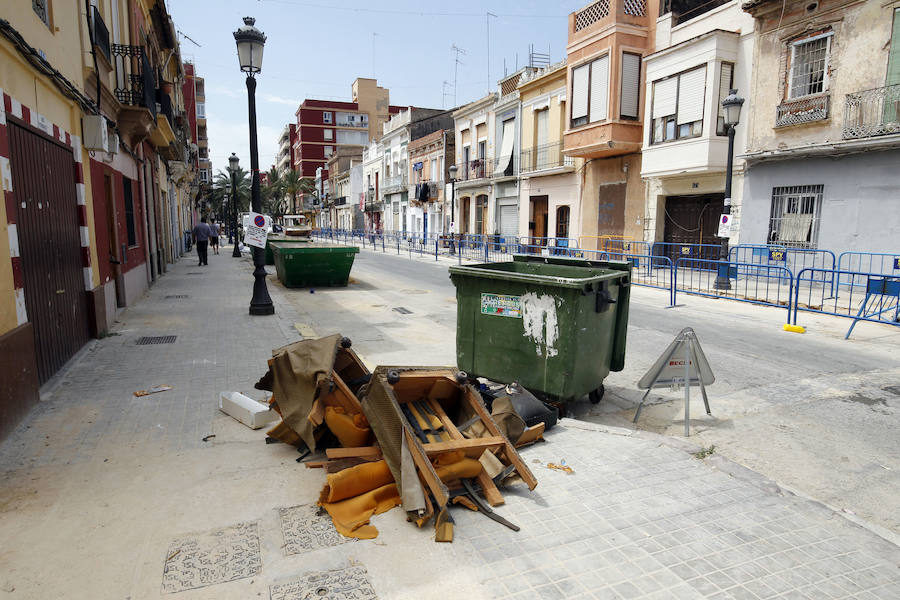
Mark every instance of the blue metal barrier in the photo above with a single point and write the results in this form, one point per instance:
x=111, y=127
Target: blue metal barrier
x=883, y=263
x=861, y=296
x=766, y=286
x=709, y=253
x=646, y=270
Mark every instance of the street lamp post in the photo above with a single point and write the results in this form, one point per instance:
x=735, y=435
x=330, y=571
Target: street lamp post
x=233, y=166
x=250, y=42
x=453, y=170
x=732, y=105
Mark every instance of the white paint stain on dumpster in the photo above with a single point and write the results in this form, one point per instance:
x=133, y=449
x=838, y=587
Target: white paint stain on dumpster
x=539, y=321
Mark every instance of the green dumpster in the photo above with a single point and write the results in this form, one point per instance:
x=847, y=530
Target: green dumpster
x=555, y=325
x=302, y=265
x=270, y=256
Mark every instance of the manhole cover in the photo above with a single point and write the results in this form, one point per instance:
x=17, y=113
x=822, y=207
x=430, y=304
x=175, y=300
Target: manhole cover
x=344, y=584
x=209, y=558
x=304, y=530
x=402, y=311
x=177, y=297
x=159, y=339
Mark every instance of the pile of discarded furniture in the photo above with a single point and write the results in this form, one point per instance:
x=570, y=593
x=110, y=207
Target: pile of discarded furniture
x=418, y=437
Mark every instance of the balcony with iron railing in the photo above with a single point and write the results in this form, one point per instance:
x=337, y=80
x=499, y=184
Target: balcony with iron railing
x=806, y=109
x=871, y=113
x=135, y=90
x=358, y=124
x=474, y=170
x=426, y=191
x=396, y=183
x=546, y=156
x=505, y=166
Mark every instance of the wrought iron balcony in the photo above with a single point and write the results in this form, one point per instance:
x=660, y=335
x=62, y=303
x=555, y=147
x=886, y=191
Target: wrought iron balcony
x=478, y=168
x=427, y=191
x=872, y=112
x=505, y=166
x=135, y=85
x=547, y=156
x=807, y=109
x=340, y=201
x=609, y=11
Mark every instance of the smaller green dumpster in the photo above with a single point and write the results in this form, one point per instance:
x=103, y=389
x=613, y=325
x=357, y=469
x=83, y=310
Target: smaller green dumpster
x=557, y=326
x=270, y=256
x=305, y=265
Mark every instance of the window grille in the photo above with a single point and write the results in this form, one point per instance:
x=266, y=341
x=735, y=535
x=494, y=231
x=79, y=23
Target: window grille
x=635, y=8
x=41, y=10
x=796, y=211
x=809, y=64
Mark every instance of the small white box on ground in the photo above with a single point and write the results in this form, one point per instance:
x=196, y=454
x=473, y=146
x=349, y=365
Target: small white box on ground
x=248, y=411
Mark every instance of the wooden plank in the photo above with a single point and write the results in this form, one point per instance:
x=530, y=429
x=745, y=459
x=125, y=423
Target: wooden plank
x=426, y=470
x=361, y=452
x=512, y=457
x=491, y=493
x=478, y=444
x=530, y=435
x=315, y=464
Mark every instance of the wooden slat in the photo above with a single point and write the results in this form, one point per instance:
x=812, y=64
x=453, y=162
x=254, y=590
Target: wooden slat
x=426, y=470
x=491, y=493
x=512, y=457
x=363, y=451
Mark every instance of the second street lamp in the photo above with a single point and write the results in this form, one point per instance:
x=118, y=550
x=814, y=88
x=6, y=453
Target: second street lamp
x=732, y=108
x=233, y=166
x=452, y=170
x=250, y=42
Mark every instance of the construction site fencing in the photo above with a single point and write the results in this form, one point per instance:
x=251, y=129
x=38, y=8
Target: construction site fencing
x=883, y=263
x=860, y=296
x=769, y=285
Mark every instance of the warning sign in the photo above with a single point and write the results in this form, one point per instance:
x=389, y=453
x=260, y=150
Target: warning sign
x=500, y=305
x=256, y=231
x=670, y=368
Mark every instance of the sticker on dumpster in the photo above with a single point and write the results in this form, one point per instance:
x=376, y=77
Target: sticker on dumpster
x=500, y=305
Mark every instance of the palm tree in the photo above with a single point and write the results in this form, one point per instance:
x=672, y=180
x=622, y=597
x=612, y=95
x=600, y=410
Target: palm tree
x=308, y=187
x=221, y=187
x=291, y=186
x=273, y=195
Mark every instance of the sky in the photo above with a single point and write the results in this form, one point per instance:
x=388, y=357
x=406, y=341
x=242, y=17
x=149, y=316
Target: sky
x=316, y=48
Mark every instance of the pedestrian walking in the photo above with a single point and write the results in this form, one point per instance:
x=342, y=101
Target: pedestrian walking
x=214, y=235
x=201, y=235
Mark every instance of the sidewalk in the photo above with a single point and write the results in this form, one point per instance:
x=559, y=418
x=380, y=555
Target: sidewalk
x=96, y=485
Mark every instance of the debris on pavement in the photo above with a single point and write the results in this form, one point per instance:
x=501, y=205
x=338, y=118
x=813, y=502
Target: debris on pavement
x=248, y=411
x=154, y=390
x=417, y=437
x=563, y=467
x=209, y=437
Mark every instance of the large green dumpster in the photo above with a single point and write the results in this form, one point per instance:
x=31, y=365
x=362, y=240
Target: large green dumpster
x=270, y=256
x=555, y=325
x=301, y=265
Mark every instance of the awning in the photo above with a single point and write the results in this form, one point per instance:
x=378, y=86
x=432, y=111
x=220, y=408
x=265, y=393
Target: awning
x=504, y=160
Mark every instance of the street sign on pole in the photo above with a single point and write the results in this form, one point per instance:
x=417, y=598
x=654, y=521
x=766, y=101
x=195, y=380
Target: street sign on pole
x=256, y=231
x=724, y=226
x=683, y=363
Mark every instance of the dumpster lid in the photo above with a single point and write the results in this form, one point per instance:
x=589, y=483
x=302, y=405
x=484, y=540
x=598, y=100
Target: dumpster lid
x=557, y=275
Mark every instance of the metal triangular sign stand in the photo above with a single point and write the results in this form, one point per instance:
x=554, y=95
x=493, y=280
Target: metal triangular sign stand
x=682, y=363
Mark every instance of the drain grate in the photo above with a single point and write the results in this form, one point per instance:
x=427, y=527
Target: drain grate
x=159, y=339
x=196, y=273
x=402, y=311
x=177, y=297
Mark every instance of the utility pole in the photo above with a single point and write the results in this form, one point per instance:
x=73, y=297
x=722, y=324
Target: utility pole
x=456, y=63
x=444, y=93
x=373, y=54
x=487, y=20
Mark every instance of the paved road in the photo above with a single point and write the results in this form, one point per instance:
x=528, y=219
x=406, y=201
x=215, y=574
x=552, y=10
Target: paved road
x=108, y=495
x=817, y=413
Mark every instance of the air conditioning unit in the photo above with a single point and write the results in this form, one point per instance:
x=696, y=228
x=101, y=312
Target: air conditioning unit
x=95, y=134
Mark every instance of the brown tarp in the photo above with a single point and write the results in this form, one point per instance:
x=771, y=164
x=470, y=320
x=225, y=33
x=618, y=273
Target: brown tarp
x=299, y=371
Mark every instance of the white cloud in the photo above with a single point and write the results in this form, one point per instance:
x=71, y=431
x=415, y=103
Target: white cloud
x=221, y=91
x=227, y=136
x=280, y=100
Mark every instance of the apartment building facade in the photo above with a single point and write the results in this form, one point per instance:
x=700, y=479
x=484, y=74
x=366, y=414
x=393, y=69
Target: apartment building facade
x=607, y=41
x=550, y=185
x=824, y=135
x=702, y=50
x=429, y=158
x=324, y=125
x=95, y=148
x=474, y=129
x=284, y=160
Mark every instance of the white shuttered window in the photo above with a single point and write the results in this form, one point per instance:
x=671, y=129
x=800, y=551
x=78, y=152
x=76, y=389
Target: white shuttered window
x=691, y=94
x=631, y=85
x=600, y=89
x=725, y=82
x=580, y=92
x=665, y=97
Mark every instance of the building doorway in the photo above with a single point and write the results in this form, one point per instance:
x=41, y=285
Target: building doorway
x=537, y=225
x=691, y=220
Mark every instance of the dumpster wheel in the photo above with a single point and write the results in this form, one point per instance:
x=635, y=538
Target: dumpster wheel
x=597, y=395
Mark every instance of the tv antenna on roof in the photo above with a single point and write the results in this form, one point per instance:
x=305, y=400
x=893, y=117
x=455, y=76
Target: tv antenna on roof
x=456, y=63
x=188, y=38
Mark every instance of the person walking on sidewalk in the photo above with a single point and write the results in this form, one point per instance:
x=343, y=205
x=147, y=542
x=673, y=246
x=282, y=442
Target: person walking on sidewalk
x=214, y=235
x=201, y=235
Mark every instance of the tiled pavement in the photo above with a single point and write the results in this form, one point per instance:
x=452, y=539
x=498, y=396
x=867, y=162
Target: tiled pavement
x=639, y=518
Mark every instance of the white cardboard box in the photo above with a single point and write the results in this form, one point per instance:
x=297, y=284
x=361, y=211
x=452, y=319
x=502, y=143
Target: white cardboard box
x=248, y=411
